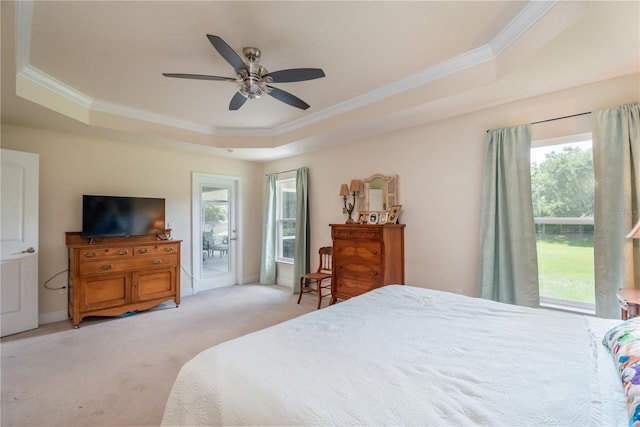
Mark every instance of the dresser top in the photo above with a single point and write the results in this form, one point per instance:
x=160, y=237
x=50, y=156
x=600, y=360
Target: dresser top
x=368, y=225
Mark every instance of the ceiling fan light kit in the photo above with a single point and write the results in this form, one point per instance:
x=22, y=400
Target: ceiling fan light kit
x=252, y=78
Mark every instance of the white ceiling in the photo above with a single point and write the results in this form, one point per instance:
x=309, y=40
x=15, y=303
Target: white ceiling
x=96, y=68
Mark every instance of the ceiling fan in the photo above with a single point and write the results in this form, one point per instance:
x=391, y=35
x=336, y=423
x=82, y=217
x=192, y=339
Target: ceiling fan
x=252, y=78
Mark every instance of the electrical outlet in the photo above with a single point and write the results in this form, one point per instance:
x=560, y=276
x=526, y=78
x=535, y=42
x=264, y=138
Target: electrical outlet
x=62, y=291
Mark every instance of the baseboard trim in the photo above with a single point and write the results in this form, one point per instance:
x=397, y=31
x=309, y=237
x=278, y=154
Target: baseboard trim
x=52, y=317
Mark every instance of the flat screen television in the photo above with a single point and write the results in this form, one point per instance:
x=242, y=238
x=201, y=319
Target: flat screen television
x=111, y=216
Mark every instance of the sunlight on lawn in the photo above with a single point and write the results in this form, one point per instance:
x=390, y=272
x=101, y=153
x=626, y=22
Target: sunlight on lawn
x=565, y=267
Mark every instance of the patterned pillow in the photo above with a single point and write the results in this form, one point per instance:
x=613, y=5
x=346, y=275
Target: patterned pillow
x=623, y=340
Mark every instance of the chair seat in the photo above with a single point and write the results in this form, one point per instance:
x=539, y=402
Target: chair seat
x=317, y=276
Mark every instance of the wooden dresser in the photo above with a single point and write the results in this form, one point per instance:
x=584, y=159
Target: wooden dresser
x=117, y=275
x=366, y=257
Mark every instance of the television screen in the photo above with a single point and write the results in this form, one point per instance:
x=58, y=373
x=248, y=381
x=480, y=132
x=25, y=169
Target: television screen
x=110, y=216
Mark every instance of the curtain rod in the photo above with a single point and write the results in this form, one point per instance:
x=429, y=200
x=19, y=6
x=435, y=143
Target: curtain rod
x=560, y=118
x=278, y=173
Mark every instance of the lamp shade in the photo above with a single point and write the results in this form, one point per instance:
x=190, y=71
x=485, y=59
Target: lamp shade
x=344, y=190
x=635, y=232
x=355, y=186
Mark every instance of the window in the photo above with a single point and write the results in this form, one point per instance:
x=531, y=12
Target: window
x=286, y=217
x=562, y=188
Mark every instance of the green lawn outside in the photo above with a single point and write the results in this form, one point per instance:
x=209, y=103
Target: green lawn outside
x=565, y=266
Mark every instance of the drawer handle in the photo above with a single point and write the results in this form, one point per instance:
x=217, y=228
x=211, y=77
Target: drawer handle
x=106, y=267
x=90, y=254
x=168, y=249
x=123, y=252
x=375, y=273
x=156, y=261
x=142, y=250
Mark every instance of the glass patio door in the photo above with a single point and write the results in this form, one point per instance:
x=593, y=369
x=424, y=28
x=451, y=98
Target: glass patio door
x=215, y=248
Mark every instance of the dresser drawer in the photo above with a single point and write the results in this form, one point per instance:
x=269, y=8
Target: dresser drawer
x=155, y=249
x=105, y=253
x=359, y=251
x=133, y=263
x=346, y=288
x=370, y=273
x=359, y=232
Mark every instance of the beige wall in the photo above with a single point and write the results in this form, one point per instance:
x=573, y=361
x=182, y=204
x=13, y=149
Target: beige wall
x=440, y=172
x=439, y=167
x=72, y=165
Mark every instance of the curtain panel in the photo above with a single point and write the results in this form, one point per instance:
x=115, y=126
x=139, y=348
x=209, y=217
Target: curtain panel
x=301, y=249
x=268, y=258
x=616, y=164
x=508, y=264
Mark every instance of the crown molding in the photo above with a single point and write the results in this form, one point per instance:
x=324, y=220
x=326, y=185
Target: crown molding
x=56, y=86
x=528, y=16
x=135, y=113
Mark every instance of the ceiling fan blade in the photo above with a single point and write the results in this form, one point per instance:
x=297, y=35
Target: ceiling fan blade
x=198, y=77
x=227, y=53
x=237, y=101
x=295, y=75
x=287, y=98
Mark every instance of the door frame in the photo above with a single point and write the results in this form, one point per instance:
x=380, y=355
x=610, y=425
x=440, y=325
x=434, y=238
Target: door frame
x=198, y=179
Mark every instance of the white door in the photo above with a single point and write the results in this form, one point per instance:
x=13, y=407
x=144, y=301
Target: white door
x=19, y=242
x=215, y=245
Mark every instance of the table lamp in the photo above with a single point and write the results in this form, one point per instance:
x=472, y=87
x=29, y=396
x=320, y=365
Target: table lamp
x=635, y=232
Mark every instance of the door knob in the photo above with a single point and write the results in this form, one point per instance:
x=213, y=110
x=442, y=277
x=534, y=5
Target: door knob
x=29, y=250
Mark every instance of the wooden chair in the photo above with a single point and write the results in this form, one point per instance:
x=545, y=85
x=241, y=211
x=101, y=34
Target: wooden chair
x=316, y=279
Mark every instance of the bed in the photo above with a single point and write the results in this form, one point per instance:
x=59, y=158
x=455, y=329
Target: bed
x=403, y=355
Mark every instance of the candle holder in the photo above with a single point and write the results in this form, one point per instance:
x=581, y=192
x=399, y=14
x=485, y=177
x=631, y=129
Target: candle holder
x=354, y=188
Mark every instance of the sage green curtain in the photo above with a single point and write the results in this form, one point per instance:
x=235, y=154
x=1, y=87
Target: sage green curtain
x=508, y=264
x=268, y=261
x=301, y=249
x=616, y=164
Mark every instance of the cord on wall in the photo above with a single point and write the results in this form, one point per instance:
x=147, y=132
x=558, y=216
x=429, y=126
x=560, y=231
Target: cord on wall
x=53, y=277
x=185, y=272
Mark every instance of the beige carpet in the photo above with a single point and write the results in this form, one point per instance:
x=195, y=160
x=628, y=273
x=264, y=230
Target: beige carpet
x=119, y=371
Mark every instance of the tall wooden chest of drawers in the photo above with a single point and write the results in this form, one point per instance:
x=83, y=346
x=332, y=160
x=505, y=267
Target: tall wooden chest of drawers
x=366, y=257
x=117, y=275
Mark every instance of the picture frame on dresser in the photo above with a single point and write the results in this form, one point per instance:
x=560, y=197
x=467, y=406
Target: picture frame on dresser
x=383, y=217
x=394, y=214
x=372, y=218
x=362, y=217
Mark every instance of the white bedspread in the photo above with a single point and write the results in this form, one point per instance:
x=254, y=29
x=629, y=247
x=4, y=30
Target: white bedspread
x=402, y=355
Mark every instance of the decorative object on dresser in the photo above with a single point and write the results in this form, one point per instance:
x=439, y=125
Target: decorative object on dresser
x=118, y=275
x=394, y=214
x=372, y=218
x=366, y=257
x=344, y=192
x=378, y=193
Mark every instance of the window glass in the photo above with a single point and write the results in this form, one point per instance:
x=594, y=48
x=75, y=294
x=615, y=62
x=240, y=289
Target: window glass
x=562, y=185
x=286, y=233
